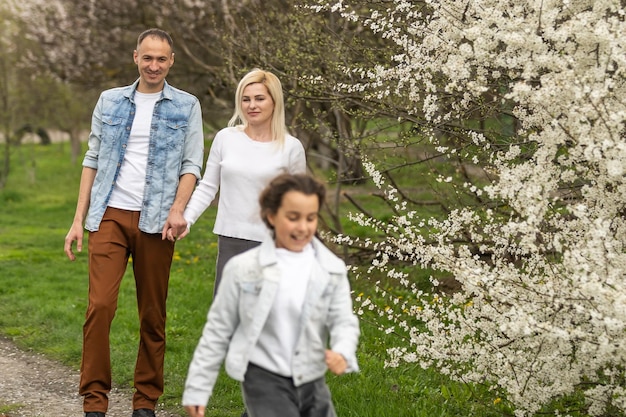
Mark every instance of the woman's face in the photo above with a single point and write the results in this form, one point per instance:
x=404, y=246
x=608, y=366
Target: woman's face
x=295, y=222
x=257, y=104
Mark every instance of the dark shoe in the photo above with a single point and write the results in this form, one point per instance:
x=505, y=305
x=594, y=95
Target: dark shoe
x=94, y=414
x=144, y=412
x=244, y=414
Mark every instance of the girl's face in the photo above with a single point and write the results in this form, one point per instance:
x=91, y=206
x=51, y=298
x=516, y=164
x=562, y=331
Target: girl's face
x=295, y=222
x=257, y=104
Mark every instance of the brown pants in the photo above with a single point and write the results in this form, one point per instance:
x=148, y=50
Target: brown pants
x=109, y=250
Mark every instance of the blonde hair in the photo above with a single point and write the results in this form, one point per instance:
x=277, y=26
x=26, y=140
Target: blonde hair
x=275, y=90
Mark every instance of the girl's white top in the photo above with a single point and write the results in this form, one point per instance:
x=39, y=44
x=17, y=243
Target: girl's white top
x=275, y=348
x=240, y=168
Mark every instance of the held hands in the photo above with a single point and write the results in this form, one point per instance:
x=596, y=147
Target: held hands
x=171, y=237
x=336, y=362
x=175, y=227
x=195, y=410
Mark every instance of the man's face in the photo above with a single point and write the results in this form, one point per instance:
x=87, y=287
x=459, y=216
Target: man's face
x=154, y=58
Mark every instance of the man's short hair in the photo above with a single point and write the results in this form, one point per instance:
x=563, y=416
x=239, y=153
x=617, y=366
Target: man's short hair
x=157, y=33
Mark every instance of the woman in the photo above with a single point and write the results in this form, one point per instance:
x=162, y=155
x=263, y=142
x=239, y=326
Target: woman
x=244, y=157
x=281, y=305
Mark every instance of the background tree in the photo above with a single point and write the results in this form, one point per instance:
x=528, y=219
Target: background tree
x=216, y=43
x=226, y=39
x=6, y=94
x=16, y=119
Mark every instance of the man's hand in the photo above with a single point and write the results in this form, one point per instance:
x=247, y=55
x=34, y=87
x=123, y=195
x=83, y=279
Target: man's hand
x=76, y=230
x=75, y=234
x=336, y=362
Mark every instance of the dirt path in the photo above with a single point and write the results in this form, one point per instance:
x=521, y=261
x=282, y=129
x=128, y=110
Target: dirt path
x=34, y=386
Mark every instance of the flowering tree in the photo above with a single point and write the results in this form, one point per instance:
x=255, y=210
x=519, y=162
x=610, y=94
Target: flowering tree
x=541, y=312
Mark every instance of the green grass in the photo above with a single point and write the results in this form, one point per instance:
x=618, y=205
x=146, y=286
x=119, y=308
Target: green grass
x=6, y=409
x=43, y=298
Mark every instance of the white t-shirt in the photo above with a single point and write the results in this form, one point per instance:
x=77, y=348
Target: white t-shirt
x=128, y=191
x=240, y=168
x=277, y=341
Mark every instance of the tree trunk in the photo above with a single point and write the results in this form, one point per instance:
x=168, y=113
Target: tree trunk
x=75, y=144
x=6, y=162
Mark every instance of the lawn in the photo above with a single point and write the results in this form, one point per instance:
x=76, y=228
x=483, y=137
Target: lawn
x=43, y=300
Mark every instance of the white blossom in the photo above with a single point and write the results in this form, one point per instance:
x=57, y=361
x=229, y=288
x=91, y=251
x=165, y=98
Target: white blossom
x=542, y=304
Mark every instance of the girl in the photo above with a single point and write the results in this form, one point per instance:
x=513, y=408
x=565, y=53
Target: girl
x=279, y=306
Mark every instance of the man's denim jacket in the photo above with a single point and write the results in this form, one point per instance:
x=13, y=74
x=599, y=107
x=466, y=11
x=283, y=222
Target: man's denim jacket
x=176, y=148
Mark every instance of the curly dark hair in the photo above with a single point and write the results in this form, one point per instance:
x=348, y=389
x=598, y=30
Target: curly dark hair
x=271, y=197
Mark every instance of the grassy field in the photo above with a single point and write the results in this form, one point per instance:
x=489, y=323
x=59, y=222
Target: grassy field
x=43, y=299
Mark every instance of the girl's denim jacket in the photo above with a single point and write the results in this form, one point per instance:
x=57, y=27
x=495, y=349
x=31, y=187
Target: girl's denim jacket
x=176, y=148
x=242, y=305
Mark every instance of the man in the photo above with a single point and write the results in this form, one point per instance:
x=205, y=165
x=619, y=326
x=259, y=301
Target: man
x=144, y=158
